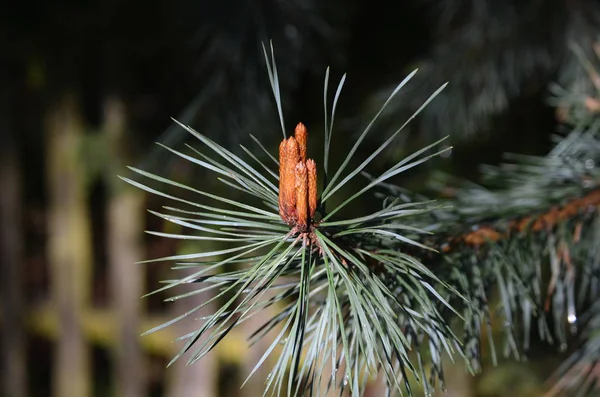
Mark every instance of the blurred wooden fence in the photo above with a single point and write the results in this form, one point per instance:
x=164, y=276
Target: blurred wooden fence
x=68, y=317
x=77, y=258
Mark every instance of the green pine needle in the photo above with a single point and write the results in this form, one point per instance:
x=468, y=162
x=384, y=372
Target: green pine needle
x=347, y=294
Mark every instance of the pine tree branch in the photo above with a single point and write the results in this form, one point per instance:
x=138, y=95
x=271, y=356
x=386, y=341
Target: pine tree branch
x=368, y=294
x=483, y=234
x=533, y=237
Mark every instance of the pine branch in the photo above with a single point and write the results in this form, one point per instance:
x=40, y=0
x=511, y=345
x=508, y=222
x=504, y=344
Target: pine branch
x=547, y=221
x=347, y=296
x=532, y=235
x=370, y=294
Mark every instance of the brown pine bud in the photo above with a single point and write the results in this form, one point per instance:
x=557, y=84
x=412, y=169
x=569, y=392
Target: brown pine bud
x=311, y=168
x=287, y=193
x=301, y=196
x=301, y=136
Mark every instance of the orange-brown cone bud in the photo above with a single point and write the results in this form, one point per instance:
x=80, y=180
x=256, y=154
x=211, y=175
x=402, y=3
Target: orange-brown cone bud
x=301, y=196
x=297, y=181
x=301, y=136
x=287, y=181
x=311, y=168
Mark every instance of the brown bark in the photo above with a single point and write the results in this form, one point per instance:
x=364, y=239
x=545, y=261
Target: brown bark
x=536, y=223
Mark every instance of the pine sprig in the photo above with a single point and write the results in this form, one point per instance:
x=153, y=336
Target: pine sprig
x=375, y=293
x=538, y=223
x=351, y=298
x=530, y=234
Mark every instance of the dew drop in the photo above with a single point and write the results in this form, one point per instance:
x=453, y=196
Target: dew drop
x=346, y=380
x=572, y=318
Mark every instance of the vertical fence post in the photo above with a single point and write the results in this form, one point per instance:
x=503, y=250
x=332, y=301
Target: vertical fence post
x=199, y=379
x=257, y=383
x=69, y=246
x=125, y=223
